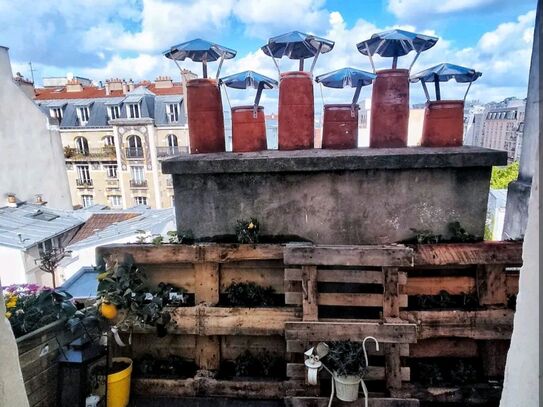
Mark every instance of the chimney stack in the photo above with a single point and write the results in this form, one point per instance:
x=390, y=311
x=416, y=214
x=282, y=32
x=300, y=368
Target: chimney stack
x=163, y=82
x=130, y=85
x=39, y=200
x=125, y=87
x=12, y=201
x=73, y=85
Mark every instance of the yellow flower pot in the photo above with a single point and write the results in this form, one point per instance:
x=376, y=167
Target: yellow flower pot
x=118, y=385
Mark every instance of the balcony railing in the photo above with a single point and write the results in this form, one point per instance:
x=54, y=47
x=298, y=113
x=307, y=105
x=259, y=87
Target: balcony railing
x=84, y=183
x=104, y=153
x=138, y=183
x=134, y=152
x=165, y=152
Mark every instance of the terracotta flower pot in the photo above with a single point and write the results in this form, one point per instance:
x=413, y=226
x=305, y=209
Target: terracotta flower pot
x=340, y=128
x=296, y=111
x=206, y=122
x=390, y=109
x=443, y=124
x=248, y=132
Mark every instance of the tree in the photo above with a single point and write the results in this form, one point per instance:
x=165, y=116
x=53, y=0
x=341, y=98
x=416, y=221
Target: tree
x=50, y=259
x=502, y=176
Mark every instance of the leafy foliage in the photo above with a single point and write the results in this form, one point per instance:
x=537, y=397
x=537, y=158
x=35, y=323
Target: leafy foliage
x=502, y=176
x=247, y=231
x=347, y=358
x=263, y=364
x=444, y=300
x=172, y=366
x=250, y=295
x=184, y=237
x=458, y=235
x=50, y=259
x=30, y=307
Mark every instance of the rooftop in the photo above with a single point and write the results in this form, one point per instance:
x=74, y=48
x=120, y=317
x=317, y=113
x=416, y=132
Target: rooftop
x=27, y=225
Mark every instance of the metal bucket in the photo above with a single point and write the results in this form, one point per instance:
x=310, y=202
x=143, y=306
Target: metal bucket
x=248, y=131
x=443, y=124
x=340, y=128
x=296, y=111
x=205, y=116
x=390, y=109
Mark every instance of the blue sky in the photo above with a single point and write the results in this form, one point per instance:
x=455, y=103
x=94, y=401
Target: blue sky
x=100, y=39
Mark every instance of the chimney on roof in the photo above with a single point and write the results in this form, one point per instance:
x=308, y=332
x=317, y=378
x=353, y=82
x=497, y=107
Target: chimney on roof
x=130, y=85
x=73, y=85
x=39, y=200
x=163, y=82
x=114, y=84
x=108, y=91
x=12, y=201
x=125, y=87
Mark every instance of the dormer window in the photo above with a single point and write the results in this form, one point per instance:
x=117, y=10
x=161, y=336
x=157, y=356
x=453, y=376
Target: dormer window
x=173, y=112
x=83, y=114
x=56, y=113
x=133, y=110
x=114, y=112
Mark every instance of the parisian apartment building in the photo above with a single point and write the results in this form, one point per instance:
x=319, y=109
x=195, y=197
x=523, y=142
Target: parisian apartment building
x=115, y=136
x=498, y=126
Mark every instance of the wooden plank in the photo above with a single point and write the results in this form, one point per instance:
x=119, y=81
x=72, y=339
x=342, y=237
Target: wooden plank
x=392, y=366
x=164, y=387
x=494, y=356
x=264, y=272
x=444, y=347
x=372, y=402
x=374, y=255
x=443, y=254
x=178, y=274
x=39, y=336
x=492, y=284
x=180, y=345
x=179, y=253
x=454, y=285
x=391, y=298
x=339, y=276
x=206, y=287
x=298, y=371
x=42, y=379
x=346, y=299
x=343, y=331
x=294, y=346
x=233, y=346
x=40, y=364
x=208, y=352
x=470, y=394
x=481, y=325
x=310, y=294
x=511, y=282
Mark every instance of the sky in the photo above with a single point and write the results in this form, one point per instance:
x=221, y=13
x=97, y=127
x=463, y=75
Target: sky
x=103, y=39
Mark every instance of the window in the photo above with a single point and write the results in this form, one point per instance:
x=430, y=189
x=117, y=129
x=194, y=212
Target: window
x=56, y=113
x=172, y=144
x=87, y=200
x=133, y=110
x=134, y=147
x=115, y=201
x=109, y=141
x=47, y=246
x=173, y=112
x=83, y=114
x=82, y=145
x=111, y=170
x=83, y=173
x=138, y=173
x=114, y=112
x=140, y=200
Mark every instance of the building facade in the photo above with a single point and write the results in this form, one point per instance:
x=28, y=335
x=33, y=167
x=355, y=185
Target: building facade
x=115, y=137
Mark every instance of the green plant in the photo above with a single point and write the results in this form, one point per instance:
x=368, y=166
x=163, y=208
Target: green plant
x=141, y=236
x=502, y=176
x=262, y=364
x=29, y=307
x=426, y=236
x=247, y=231
x=69, y=152
x=249, y=295
x=184, y=237
x=346, y=358
x=50, y=259
x=459, y=234
x=157, y=240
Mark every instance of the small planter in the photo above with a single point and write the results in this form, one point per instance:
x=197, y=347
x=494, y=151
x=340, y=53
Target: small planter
x=390, y=109
x=118, y=385
x=248, y=131
x=347, y=387
x=206, y=121
x=443, y=123
x=296, y=111
x=340, y=129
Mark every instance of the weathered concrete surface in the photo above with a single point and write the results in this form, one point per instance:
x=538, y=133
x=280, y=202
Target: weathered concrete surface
x=357, y=196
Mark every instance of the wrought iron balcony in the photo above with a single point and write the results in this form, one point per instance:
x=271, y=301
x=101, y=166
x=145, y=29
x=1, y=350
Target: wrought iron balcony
x=134, y=152
x=104, y=153
x=83, y=183
x=166, y=152
x=138, y=183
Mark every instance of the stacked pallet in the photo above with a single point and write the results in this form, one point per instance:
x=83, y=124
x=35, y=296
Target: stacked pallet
x=350, y=283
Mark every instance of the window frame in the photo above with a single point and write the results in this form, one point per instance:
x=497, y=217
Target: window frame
x=133, y=110
x=83, y=112
x=143, y=200
x=111, y=169
x=85, y=199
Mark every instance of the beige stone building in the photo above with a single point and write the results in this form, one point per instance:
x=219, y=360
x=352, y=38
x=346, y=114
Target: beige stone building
x=115, y=137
